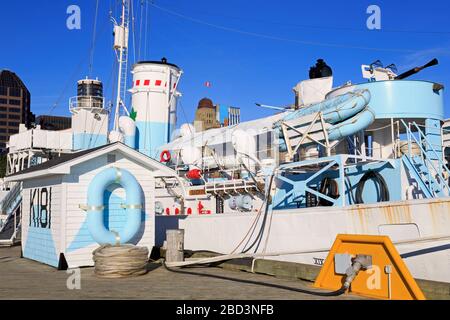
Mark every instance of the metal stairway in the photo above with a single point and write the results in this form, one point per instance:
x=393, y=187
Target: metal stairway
x=11, y=206
x=427, y=167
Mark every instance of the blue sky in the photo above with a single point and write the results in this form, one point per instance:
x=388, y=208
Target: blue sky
x=251, y=51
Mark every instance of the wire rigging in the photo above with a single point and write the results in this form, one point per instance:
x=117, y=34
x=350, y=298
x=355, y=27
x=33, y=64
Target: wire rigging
x=94, y=34
x=271, y=37
x=80, y=64
x=133, y=28
x=141, y=9
x=330, y=28
x=146, y=28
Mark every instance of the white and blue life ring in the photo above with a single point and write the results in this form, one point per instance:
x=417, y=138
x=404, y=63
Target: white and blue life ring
x=95, y=206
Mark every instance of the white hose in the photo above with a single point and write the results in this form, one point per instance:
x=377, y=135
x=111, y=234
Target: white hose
x=274, y=254
x=238, y=256
x=120, y=261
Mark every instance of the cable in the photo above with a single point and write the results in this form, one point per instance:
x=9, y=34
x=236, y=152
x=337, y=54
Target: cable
x=94, y=33
x=253, y=226
x=141, y=19
x=133, y=27
x=146, y=29
x=260, y=235
x=265, y=284
x=184, y=115
x=270, y=37
x=73, y=75
x=331, y=28
x=376, y=176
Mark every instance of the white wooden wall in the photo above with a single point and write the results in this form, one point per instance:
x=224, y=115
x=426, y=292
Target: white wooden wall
x=78, y=246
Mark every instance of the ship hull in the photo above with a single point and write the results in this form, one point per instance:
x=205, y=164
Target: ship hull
x=420, y=230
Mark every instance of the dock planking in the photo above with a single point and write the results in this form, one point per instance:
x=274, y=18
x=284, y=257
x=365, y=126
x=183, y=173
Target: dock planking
x=26, y=279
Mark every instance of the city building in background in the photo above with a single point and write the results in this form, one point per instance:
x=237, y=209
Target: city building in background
x=206, y=116
x=15, y=102
x=234, y=116
x=54, y=123
x=229, y=116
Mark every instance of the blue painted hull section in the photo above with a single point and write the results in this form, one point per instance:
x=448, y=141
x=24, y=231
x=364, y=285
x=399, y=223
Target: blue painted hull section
x=150, y=137
x=130, y=141
x=84, y=141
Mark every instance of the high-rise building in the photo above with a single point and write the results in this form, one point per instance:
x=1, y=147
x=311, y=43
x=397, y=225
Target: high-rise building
x=15, y=102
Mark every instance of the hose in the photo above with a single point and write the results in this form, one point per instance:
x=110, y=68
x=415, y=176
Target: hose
x=384, y=191
x=328, y=187
x=227, y=257
x=120, y=261
x=260, y=235
x=265, y=284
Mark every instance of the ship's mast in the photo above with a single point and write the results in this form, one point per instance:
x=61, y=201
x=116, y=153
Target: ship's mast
x=121, y=33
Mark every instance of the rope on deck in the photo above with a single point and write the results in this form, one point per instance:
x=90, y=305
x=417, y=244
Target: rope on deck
x=121, y=261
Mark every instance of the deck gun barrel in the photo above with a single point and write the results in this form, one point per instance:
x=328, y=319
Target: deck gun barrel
x=415, y=70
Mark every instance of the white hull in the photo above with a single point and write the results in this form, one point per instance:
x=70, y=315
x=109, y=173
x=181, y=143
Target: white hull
x=420, y=229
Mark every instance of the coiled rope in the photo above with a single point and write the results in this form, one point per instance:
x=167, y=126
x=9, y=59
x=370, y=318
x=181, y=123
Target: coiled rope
x=120, y=261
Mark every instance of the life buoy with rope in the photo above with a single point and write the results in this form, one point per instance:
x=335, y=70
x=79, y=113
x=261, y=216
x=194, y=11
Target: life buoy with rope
x=165, y=156
x=96, y=206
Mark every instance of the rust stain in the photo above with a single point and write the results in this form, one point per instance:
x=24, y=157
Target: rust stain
x=408, y=216
x=361, y=215
x=397, y=214
x=388, y=215
x=436, y=214
x=392, y=215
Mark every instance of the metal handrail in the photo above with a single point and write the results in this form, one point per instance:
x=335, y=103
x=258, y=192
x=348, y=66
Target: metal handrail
x=423, y=152
x=432, y=149
x=86, y=102
x=13, y=193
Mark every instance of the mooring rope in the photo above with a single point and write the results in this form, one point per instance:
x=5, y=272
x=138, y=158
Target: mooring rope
x=120, y=261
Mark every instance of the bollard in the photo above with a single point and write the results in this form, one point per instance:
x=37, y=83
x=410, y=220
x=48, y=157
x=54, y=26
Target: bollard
x=175, y=245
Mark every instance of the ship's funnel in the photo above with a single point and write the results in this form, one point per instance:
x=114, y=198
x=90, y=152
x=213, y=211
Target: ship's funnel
x=154, y=102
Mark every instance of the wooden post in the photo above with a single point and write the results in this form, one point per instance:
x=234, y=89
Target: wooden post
x=175, y=245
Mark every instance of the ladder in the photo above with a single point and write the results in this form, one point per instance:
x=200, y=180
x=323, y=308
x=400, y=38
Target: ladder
x=121, y=46
x=124, y=69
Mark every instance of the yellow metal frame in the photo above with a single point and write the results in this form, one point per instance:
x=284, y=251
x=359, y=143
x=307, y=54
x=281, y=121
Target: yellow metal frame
x=374, y=282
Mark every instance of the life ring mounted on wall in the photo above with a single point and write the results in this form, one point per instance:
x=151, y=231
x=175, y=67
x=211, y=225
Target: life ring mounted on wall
x=95, y=206
x=165, y=156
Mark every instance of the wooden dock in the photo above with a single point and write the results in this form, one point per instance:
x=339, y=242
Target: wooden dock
x=26, y=279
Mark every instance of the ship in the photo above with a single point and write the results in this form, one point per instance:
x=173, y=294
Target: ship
x=366, y=158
